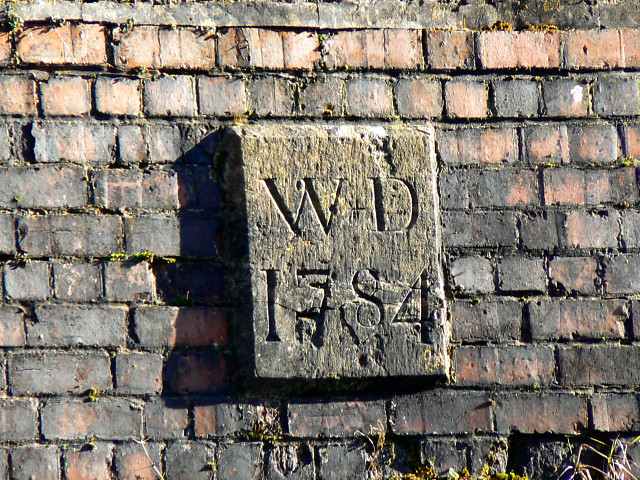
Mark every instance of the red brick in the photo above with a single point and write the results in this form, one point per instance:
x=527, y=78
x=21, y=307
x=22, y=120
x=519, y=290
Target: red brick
x=569, y=186
x=599, y=365
x=138, y=48
x=59, y=372
x=611, y=186
x=17, y=420
x=450, y=49
x=137, y=461
x=390, y=48
x=441, y=413
x=166, y=418
x=336, y=419
x=254, y=47
x=5, y=48
x=467, y=99
x=76, y=235
x=172, y=96
x=17, y=95
x=486, y=320
x=574, y=274
x=323, y=96
x=565, y=97
x=174, y=326
x=593, y=144
x=222, y=96
x=224, y=419
x=83, y=143
x=118, y=96
x=12, y=332
x=301, y=50
x=186, y=48
x=138, y=373
x=126, y=281
x=85, y=463
x=71, y=325
x=270, y=49
x=233, y=48
x=355, y=49
x=150, y=47
x=477, y=145
x=564, y=186
x=196, y=373
x=69, y=44
x=630, y=38
x=632, y=141
x=535, y=413
x=503, y=49
x=369, y=97
x=572, y=320
x=65, y=96
x=75, y=419
x=403, y=49
x=593, y=49
x=546, y=144
x=271, y=96
x=504, y=365
x=418, y=97
x=615, y=413
x=585, y=230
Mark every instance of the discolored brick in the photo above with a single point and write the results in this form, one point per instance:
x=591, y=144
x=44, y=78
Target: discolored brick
x=467, y=99
x=118, y=96
x=65, y=96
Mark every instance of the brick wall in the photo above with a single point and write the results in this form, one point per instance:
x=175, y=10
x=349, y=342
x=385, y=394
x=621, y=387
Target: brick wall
x=116, y=336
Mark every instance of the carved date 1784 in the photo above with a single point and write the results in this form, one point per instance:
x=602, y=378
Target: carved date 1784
x=343, y=250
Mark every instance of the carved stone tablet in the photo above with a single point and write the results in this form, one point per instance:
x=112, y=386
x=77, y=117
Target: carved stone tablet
x=343, y=246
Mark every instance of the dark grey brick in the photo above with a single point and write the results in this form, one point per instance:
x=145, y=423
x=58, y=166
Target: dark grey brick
x=67, y=325
x=516, y=98
x=239, y=460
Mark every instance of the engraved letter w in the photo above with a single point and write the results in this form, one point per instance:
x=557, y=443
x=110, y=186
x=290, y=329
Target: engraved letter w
x=308, y=196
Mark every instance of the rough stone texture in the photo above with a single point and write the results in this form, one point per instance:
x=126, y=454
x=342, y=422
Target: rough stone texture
x=317, y=311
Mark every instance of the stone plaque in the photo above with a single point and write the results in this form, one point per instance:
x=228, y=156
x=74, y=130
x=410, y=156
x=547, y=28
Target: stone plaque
x=342, y=250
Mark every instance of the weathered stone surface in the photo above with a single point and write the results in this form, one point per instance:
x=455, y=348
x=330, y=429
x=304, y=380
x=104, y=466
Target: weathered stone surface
x=343, y=250
x=348, y=14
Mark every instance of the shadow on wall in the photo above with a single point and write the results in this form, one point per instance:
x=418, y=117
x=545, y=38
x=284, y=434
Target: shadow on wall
x=196, y=323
